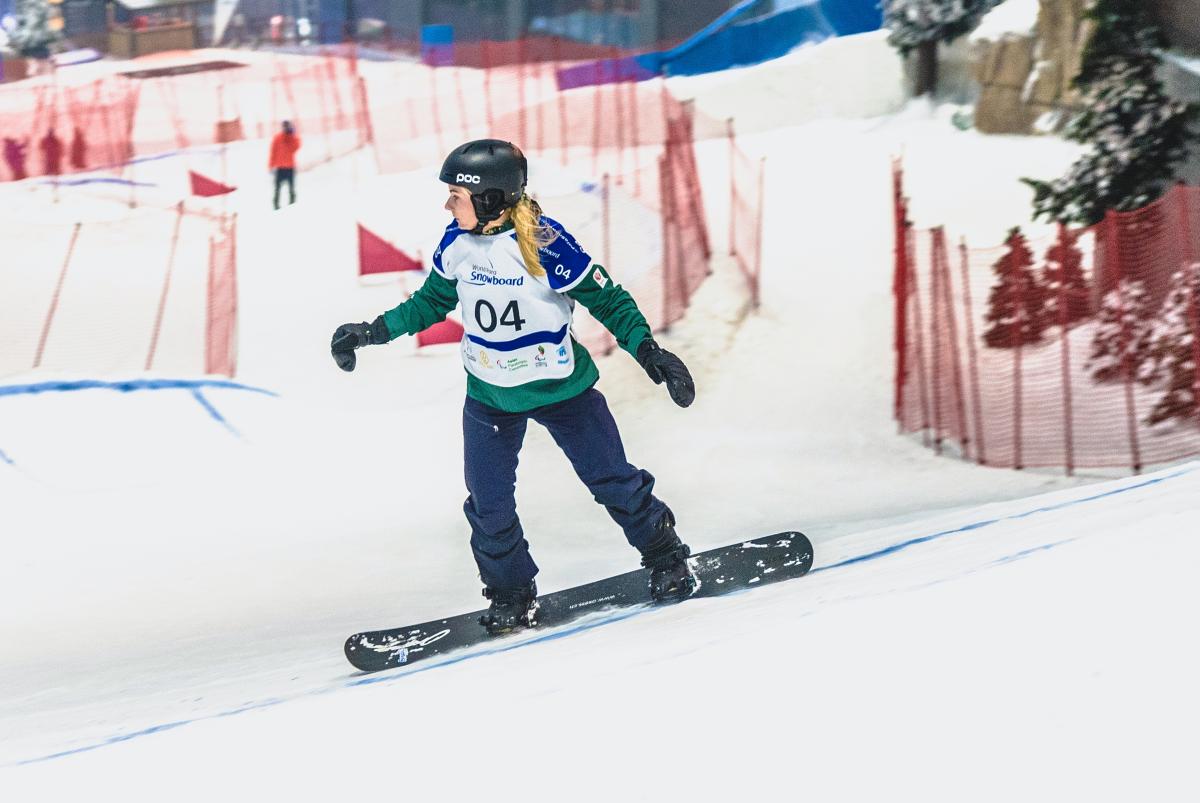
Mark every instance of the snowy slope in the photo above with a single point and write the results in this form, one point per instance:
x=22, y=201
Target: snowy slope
x=984, y=655
x=162, y=566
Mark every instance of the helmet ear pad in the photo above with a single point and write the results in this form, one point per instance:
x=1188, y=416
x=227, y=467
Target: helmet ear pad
x=489, y=204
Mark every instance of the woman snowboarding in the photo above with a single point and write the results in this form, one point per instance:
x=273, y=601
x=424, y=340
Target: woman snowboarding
x=517, y=275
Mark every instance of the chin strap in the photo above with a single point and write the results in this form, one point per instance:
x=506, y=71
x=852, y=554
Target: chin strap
x=489, y=205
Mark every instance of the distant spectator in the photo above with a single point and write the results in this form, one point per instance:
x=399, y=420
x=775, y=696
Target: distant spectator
x=237, y=29
x=78, y=150
x=14, y=154
x=283, y=160
x=52, y=153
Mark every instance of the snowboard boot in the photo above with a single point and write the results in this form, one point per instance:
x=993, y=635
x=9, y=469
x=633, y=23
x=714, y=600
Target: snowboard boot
x=511, y=608
x=671, y=578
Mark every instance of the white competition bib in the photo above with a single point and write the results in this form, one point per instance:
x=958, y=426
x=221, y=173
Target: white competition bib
x=518, y=326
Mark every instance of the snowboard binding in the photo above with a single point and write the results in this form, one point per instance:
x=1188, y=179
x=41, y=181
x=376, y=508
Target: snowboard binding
x=511, y=609
x=666, y=556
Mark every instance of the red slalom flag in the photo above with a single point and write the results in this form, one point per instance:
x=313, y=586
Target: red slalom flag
x=448, y=331
x=377, y=255
x=206, y=186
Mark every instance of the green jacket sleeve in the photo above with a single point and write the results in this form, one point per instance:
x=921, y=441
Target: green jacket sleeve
x=428, y=306
x=613, y=306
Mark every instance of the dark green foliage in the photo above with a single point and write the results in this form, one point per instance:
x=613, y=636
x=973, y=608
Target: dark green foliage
x=1135, y=133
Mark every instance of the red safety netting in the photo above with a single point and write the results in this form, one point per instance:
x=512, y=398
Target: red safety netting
x=52, y=127
x=746, y=185
x=629, y=183
x=624, y=148
x=1077, y=350
x=616, y=128
x=220, y=333
x=153, y=291
x=49, y=129
x=321, y=97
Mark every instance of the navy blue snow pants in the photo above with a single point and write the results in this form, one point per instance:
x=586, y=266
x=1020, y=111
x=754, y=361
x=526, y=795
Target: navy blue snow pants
x=584, y=429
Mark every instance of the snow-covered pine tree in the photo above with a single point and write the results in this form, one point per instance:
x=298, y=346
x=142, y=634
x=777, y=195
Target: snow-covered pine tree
x=1063, y=279
x=1125, y=324
x=1135, y=133
x=32, y=36
x=1017, y=302
x=921, y=25
x=1174, y=350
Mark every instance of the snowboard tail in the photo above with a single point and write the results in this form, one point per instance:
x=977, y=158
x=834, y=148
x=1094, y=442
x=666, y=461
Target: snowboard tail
x=736, y=567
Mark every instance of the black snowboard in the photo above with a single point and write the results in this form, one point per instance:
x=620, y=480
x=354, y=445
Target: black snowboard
x=719, y=571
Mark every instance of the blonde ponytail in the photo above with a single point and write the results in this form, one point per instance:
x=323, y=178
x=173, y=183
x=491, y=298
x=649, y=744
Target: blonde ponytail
x=531, y=233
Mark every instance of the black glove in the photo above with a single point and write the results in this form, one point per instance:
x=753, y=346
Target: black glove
x=351, y=336
x=663, y=366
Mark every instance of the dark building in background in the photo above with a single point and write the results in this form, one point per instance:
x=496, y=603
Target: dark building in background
x=631, y=24
x=623, y=23
x=85, y=23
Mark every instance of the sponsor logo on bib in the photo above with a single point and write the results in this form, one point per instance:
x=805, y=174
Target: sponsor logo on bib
x=483, y=278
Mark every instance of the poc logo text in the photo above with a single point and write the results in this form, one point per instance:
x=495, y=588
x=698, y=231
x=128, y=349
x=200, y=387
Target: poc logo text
x=467, y=178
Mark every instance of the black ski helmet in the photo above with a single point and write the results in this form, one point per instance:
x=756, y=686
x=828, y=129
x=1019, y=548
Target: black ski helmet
x=493, y=170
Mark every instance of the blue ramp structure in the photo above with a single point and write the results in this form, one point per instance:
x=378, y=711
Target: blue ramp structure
x=751, y=32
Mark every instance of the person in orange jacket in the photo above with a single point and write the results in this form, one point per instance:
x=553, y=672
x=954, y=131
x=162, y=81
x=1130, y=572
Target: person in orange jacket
x=283, y=160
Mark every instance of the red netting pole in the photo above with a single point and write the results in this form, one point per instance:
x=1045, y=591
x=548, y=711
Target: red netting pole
x=162, y=299
x=365, y=126
x=62, y=275
x=756, y=281
x=335, y=89
x=540, y=83
x=562, y=100
x=732, y=185
x=943, y=267
x=606, y=220
x=918, y=336
x=972, y=356
x=220, y=355
x=936, y=342
x=1015, y=341
x=326, y=122
x=899, y=281
x=114, y=154
x=412, y=116
x=522, y=108
x=1063, y=324
x=56, y=99
x=133, y=99
x=596, y=114
x=637, y=136
x=224, y=147
x=180, y=138
x=687, y=137
x=664, y=183
x=437, y=118
x=619, y=113
x=462, y=104
x=486, y=55
x=1114, y=247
